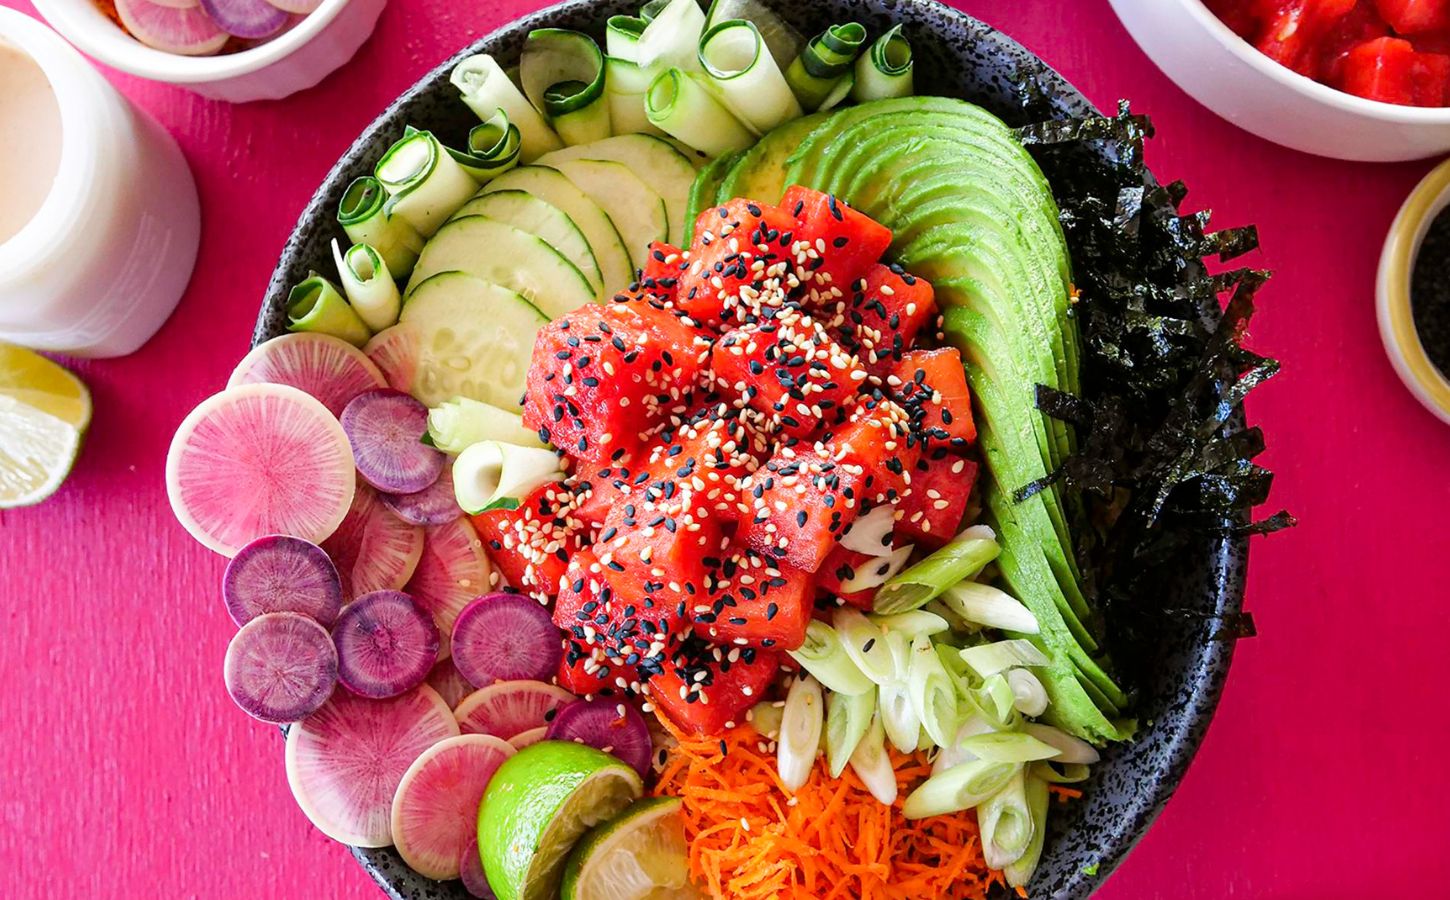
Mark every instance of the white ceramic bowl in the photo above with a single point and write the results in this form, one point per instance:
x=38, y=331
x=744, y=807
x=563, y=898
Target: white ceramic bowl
x=295, y=60
x=1226, y=74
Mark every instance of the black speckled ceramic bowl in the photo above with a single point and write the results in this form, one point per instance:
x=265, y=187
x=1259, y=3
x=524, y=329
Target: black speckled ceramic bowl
x=955, y=56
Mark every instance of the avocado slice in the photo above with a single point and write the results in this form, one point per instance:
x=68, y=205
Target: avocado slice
x=760, y=173
x=703, y=191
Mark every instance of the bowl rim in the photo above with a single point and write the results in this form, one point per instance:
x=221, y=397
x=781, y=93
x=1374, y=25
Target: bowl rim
x=83, y=24
x=1322, y=93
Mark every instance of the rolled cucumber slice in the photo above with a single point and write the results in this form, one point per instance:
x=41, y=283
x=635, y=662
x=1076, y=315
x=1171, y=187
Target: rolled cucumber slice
x=552, y=187
x=636, y=209
x=509, y=257
x=495, y=474
x=528, y=213
x=653, y=159
x=475, y=339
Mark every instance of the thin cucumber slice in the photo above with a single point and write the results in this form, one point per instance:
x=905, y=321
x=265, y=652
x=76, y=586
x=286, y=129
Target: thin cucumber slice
x=741, y=68
x=426, y=183
x=562, y=72
x=458, y=424
x=684, y=108
x=784, y=41
x=655, y=161
x=528, y=213
x=635, y=208
x=486, y=88
x=885, y=70
x=495, y=475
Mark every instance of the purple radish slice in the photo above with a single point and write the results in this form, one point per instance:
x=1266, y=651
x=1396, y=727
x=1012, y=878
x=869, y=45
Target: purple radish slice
x=529, y=738
x=452, y=571
x=435, y=812
x=386, y=429
x=281, y=667
x=250, y=19
x=434, y=505
x=386, y=645
x=280, y=573
x=374, y=550
x=506, y=637
x=507, y=709
x=328, y=368
x=345, y=761
x=614, y=727
x=470, y=870
x=187, y=31
x=449, y=682
x=395, y=351
x=259, y=459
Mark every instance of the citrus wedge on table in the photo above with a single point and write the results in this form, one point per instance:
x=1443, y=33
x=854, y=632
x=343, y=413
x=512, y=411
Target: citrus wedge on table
x=538, y=804
x=44, y=411
x=638, y=855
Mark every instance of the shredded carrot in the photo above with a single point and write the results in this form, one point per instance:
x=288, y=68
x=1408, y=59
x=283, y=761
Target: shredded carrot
x=750, y=839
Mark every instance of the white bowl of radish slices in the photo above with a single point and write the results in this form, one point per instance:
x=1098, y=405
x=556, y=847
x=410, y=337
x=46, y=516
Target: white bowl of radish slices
x=234, y=50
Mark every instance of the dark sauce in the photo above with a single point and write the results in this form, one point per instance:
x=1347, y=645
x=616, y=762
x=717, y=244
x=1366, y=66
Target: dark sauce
x=1430, y=293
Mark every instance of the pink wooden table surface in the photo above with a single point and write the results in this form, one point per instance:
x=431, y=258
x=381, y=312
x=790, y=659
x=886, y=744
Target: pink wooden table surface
x=126, y=772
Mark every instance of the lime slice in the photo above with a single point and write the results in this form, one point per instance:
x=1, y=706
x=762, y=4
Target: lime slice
x=36, y=452
x=537, y=806
x=36, y=381
x=640, y=854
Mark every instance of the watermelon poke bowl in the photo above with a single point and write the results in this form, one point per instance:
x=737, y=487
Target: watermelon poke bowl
x=737, y=452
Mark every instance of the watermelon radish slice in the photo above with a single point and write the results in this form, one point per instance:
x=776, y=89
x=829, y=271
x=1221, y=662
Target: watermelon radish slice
x=470, y=868
x=506, y=637
x=616, y=728
x=297, y=7
x=506, y=709
x=395, y=351
x=328, y=368
x=386, y=645
x=250, y=19
x=435, y=812
x=386, y=429
x=279, y=573
x=449, y=683
x=177, y=4
x=259, y=459
x=434, y=505
x=452, y=571
x=529, y=738
x=374, y=549
x=345, y=761
x=187, y=31
x=280, y=667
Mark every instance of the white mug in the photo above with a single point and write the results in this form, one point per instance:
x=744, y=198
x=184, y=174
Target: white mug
x=104, y=259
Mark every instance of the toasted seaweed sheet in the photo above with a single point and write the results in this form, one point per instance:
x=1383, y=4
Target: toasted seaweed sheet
x=1160, y=459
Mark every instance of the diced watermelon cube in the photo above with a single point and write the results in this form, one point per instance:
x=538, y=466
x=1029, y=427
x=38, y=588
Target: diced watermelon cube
x=757, y=602
x=841, y=566
x=1409, y=17
x=877, y=443
x=1391, y=71
x=801, y=504
x=835, y=245
x=704, y=694
x=931, y=512
x=883, y=318
x=531, y=545
x=660, y=278
x=932, y=386
x=739, y=244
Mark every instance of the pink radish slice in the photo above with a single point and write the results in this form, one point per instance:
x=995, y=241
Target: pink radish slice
x=470, y=870
x=279, y=573
x=435, y=811
x=250, y=19
x=506, y=709
x=259, y=459
x=434, y=505
x=374, y=549
x=177, y=4
x=449, y=682
x=329, y=369
x=614, y=727
x=297, y=7
x=506, y=637
x=452, y=571
x=280, y=667
x=386, y=428
x=395, y=352
x=187, y=31
x=386, y=645
x=345, y=761
x=529, y=738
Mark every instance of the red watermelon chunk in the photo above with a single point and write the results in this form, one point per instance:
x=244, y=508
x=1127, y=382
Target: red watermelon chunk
x=705, y=692
x=877, y=444
x=931, y=512
x=800, y=504
x=741, y=249
x=883, y=318
x=756, y=602
x=932, y=386
x=835, y=245
x=531, y=545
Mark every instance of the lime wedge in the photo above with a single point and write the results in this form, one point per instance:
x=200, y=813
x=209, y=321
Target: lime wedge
x=36, y=381
x=538, y=805
x=37, y=450
x=640, y=854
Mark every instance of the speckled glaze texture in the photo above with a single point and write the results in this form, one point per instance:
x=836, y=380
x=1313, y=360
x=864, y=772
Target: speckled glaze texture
x=955, y=56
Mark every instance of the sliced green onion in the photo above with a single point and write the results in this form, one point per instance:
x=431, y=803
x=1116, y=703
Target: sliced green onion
x=840, y=93
x=1056, y=772
x=1006, y=823
x=958, y=788
x=884, y=71
x=1028, y=694
x=486, y=88
x=493, y=148
x=363, y=215
x=995, y=699
x=1071, y=750
x=457, y=424
x=783, y=41
x=953, y=754
x=872, y=764
x=317, y=305
x=982, y=604
x=823, y=62
x=426, y=184
x=878, y=571
x=1019, y=872
x=1008, y=746
x=495, y=475
x=562, y=72
x=933, y=694
x=989, y=659
x=866, y=645
x=734, y=56
x=898, y=715
x=824, y=656
x=369, y=285
x=871, y=533
x=911, y=624
x=967, y=554
x=848, y=718
x=765, y=717
x=685, y=109
x=621, y=37
x=672, y=37
x=625, y=85
x=952, y=661
x=800, y=732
